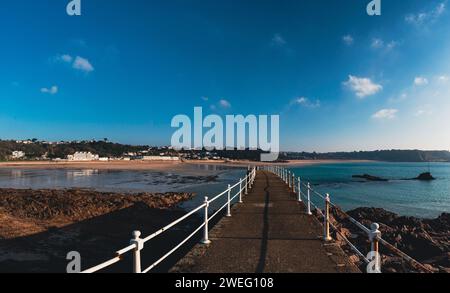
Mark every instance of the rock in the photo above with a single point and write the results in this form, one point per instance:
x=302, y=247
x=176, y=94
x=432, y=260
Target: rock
x=425, y=177
x=354, y=258
x=426, y=240
x=370, y=177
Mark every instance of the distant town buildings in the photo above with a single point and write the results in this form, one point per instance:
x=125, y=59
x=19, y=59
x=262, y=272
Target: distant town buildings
x=160, y=158
x=83, y=156
x=24, y=141
x=17, y=155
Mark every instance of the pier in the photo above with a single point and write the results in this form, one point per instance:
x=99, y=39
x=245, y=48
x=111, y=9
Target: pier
x=267, y=222
x=270, y=232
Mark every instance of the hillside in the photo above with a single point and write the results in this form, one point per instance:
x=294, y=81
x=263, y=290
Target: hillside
x=382, y=155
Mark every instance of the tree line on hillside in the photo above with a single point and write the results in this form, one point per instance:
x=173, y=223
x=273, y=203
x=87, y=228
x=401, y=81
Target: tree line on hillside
x=52, y=151
x=36, y=149
x=382, y=155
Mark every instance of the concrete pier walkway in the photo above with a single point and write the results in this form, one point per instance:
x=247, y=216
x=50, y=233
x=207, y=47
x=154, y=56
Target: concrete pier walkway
x=269, y=233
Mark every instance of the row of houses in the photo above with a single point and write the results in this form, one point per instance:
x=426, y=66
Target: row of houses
x=88, y=156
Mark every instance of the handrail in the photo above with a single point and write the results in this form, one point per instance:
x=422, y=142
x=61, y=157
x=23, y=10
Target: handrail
x=353, y=247
x=374, y=234
x=137, y=244
x=150, y=237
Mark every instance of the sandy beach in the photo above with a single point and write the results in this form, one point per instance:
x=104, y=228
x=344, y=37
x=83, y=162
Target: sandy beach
x=155, y=165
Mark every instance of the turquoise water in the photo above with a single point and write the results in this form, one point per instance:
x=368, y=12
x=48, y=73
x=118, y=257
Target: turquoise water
x=405, y=197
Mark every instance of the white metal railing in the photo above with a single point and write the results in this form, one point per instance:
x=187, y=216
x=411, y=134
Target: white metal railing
x=137, y=243
x=295, y=184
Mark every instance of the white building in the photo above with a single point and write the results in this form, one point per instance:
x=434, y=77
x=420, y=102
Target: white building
x=17, y=155
x=159, y=158
x=83, y=156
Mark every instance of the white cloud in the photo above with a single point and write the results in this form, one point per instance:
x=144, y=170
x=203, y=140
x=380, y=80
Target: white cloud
x=348, y=40
x=66, y=58
x=424, y=110
x=399, y=98
x=420, y=81
x=278, y=41
x=78, y=63
x=426, y=17
x=377, y=43
x=443, y=78
x=224, y=104
x=362, y=87
x=52, y=91
x=391, y=45
x=305, y=102
x=385, y=114
x=380, y=44
x=82, y=64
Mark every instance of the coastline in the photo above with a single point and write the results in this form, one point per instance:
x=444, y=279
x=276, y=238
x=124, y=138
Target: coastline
x=158, y=165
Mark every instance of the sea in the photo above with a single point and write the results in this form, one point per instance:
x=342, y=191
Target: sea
x=398, y=194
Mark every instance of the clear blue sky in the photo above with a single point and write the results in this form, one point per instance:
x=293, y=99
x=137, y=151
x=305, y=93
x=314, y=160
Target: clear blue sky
x=340, y=80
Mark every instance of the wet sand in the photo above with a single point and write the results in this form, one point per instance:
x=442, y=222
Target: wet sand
x=159, y=165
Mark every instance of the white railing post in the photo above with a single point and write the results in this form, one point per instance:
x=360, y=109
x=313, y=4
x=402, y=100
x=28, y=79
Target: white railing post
x=293, y=182
x=229, y=201
x=289, y=179
x=299, y=190
x=247, y=180
x=205, y=239
x=326, y=219
x=309, y=200
x=137, y=251
x=240, y=191
x=374, y=237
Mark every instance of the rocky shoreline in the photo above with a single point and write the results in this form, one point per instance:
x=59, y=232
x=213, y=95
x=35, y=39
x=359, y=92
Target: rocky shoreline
x=426, y=240
x=39, y=227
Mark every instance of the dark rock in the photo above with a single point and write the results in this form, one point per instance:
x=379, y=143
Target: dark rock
x=425, y=177
x=370, y=178
x=426, y=240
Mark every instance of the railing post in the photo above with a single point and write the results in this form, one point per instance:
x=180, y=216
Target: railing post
x=374, y=237
x=240, y=191
x=326, y=219
x=289, y=179
x=293, y=182
x=137, y=251
x=229, y=201
x=299, y=190
x=247, y=179
x=309, y=200
x=205, y=239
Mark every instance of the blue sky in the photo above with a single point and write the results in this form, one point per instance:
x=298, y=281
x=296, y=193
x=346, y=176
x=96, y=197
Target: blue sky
x=340, y=80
